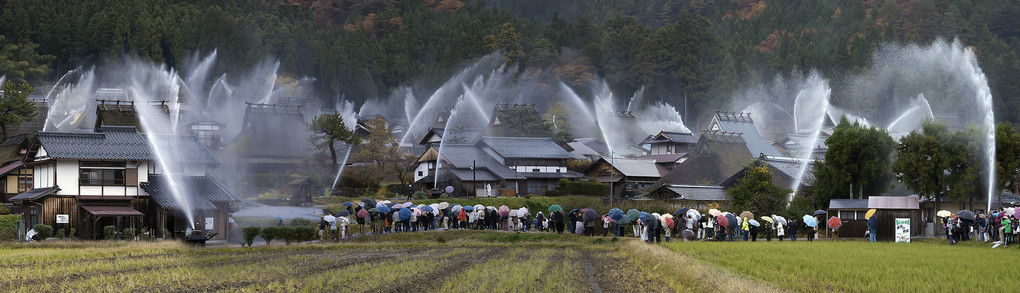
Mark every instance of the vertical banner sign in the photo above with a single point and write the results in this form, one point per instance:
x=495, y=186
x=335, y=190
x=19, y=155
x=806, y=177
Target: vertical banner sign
x=208, y=223
x=903, y=230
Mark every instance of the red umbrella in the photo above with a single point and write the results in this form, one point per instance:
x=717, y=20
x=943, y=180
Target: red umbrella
x=722, y=221
x=834, y=223
x=363, y=214
x=669, y=222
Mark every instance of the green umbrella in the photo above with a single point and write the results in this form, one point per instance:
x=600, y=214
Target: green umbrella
x=633, y=214
x=555, y=208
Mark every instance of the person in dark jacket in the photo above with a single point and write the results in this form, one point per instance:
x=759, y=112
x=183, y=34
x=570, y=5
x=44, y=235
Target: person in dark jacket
x=793, y=230
x=754, y=233
x=558, y=221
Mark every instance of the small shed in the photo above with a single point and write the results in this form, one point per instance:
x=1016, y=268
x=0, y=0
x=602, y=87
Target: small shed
x=304, y=188
x=852, y=211
x=891, y=207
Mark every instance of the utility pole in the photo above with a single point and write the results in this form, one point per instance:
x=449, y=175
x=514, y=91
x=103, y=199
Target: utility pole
x=612, y=176
x=474, y=179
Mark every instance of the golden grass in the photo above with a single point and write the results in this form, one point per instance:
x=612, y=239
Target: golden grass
x=844, y=266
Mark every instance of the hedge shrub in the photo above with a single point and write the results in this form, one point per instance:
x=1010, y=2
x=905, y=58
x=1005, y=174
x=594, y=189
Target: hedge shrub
x=110, y=232
x=249, y=233
x=43, y=231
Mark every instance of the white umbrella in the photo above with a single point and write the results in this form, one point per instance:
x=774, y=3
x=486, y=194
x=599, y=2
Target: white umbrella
x=407, y=204
x=330, y=219
x=693, y=215
x=513, y=213
x=479, y=207
x=435, y=208
x=779, y=219
x=523, y=212
x=1010, y=211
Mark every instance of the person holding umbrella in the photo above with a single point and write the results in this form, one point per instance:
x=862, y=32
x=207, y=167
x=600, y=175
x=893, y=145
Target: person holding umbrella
x=753, y=229
x=793, y=230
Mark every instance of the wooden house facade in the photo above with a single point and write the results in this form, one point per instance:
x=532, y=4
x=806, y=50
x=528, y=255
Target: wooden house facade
x=110, y=178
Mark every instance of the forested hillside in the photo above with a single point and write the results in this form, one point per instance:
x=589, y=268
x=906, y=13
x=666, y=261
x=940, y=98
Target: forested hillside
x=699, y=49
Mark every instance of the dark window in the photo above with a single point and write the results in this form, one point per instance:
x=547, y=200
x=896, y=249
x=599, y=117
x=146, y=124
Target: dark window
x=420, y=173
x=536, y=170
x=113, y=164
x=24, y=182
x=102, y=176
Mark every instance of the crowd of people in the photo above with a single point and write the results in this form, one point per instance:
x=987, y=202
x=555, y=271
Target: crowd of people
x=999, y=227
x=687, y=224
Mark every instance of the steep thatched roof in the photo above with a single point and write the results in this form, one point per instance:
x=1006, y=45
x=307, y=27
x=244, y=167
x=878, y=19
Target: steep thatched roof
x=717, y=156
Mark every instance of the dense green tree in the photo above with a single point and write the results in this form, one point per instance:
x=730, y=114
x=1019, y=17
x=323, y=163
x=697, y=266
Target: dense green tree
x=755, y=191
x=857, y=162
x=21, y=62
x=938, y=163
x=1007, y=157
x=15, y=105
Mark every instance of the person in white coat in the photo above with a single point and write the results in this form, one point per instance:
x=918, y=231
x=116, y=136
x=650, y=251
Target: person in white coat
x=780, y=232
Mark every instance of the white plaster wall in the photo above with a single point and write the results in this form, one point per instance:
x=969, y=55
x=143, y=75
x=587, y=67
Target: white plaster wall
x=67, y=177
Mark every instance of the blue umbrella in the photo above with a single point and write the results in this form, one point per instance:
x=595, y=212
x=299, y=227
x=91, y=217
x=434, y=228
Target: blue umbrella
x=348, y=204
x=753, y=223
x=383, y=209
x=405, y=214
x=616, y=214
x=427, y=209
x=642, y=217
x=469, y=208
x=810, y=221
x=873, y=222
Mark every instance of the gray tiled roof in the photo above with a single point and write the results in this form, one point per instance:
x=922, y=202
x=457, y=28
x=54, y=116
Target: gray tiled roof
x=462, y=156
x=116, y=143
x=526, y=147
x=36, y=193
x=848, y=204
x=756, y=144
x=696, y=192
x=204, y=191
x=666, y=136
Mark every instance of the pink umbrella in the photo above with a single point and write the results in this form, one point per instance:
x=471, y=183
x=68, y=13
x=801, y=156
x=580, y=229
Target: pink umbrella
x=417, y=212
x=504, y=211
x=714, y=212
x=363, y=213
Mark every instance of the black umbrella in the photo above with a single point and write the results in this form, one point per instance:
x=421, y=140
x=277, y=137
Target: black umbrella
x=688, y=234
x=819, y=212
x=369, y=203
x=680, y=213
x=965, y=214
x=345, y=213
x=873, y=222
x=590, y=215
